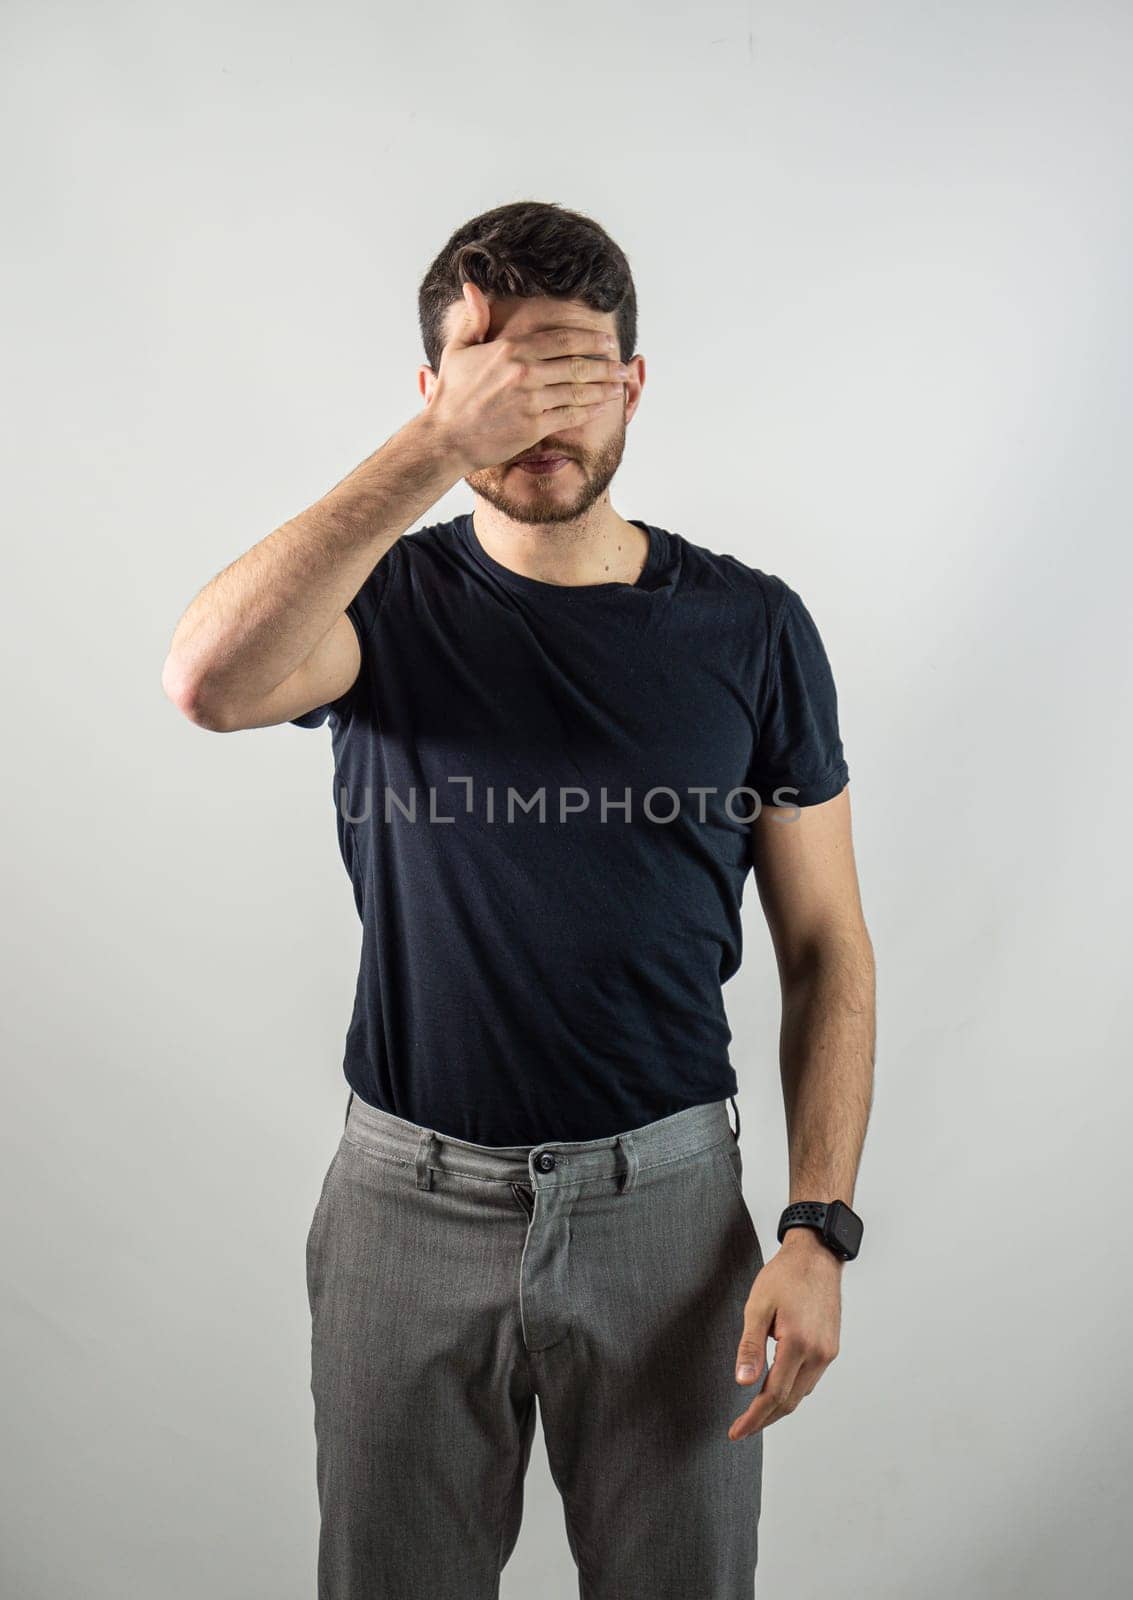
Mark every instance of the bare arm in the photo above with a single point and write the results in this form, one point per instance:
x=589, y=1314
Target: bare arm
x=808, y=887
x=268, y=639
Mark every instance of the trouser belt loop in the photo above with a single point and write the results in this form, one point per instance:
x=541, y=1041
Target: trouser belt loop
x=736, y=1109
x=349, y=1103
x=424, y=1150
x=629, y=1152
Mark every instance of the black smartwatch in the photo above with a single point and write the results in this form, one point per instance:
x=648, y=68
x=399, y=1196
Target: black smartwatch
x=839, y=1227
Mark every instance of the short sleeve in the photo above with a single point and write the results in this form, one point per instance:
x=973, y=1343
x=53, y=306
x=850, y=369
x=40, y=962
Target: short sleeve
x=799, y=748
x=363, y=612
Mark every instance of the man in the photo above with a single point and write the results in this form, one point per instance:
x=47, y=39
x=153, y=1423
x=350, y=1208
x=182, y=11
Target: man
x=561, y=738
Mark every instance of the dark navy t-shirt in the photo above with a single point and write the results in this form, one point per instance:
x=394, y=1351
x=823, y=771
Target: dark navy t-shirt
x=543, y=796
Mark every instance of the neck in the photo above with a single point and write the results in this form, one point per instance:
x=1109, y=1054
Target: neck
x=591, y=549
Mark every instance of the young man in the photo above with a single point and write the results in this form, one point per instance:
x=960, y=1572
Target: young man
x=562, y=738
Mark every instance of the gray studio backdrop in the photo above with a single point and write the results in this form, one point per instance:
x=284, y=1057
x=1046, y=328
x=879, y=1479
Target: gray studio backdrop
x=883, y=259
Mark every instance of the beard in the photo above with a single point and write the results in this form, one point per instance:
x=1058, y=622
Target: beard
x=564, y=496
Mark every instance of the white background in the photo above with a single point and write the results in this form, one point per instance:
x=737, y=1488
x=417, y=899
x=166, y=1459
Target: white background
x=882, y=254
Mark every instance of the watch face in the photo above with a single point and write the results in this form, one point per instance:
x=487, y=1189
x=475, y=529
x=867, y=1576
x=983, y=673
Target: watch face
x=847, y=1230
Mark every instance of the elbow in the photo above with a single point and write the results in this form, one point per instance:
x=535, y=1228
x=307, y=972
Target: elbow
x=840, y=950
x=189, y=692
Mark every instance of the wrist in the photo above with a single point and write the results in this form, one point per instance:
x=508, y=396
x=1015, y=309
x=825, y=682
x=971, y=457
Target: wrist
x=800, y=1240
x=835, y=1223
x=437, y=442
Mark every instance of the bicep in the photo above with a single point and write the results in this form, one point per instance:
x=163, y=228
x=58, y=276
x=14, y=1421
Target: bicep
x=806, y=876
x=329, y=672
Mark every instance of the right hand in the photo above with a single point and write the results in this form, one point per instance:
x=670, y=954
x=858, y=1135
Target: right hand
x=496, y=398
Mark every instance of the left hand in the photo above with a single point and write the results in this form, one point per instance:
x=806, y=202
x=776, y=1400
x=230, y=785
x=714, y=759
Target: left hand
x=796, y=1299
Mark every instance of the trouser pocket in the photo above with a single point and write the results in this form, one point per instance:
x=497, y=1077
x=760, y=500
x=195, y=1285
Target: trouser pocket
x=732, y=1161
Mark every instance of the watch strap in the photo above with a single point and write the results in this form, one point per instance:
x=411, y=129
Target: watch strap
x=803, y=1214
x=836, y=1223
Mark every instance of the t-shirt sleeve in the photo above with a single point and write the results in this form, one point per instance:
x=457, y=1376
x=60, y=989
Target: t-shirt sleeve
x=363, y=612
x=799, y=748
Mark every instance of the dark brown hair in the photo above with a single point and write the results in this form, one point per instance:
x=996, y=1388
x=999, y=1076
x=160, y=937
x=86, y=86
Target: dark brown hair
x=528, y=249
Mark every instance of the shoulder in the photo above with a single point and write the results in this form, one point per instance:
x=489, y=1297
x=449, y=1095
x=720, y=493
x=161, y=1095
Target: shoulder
x=411, y=555
x=763, y=596
x=431, y=542
x=428, y=550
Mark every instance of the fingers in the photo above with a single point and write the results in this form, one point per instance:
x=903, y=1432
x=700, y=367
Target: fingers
x=791, y=1377
x=575, y=416
x=776, y=1399
x=555, y=371
x=572, y=389
x=751, y=1357
x=473, y=326
x=578, y=374
x=547, y=343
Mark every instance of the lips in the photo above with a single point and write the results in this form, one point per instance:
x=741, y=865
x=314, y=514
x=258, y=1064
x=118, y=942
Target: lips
x=543, y=466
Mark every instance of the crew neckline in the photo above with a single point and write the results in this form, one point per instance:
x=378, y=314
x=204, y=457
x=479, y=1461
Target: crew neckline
x=520, y=580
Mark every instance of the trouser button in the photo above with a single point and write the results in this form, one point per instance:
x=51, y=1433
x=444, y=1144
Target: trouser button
x=545, y=1161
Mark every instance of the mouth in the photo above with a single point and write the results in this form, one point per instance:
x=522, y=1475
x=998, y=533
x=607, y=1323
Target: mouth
x=542, y=465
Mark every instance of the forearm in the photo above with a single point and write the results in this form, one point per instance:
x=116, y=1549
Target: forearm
x=826, y=1050
x=261, y=617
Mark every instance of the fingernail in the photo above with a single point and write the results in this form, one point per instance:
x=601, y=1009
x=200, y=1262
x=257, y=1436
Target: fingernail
x=745, y=1374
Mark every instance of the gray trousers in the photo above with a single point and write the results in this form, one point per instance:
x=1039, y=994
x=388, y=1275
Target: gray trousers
x=453, y=1284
